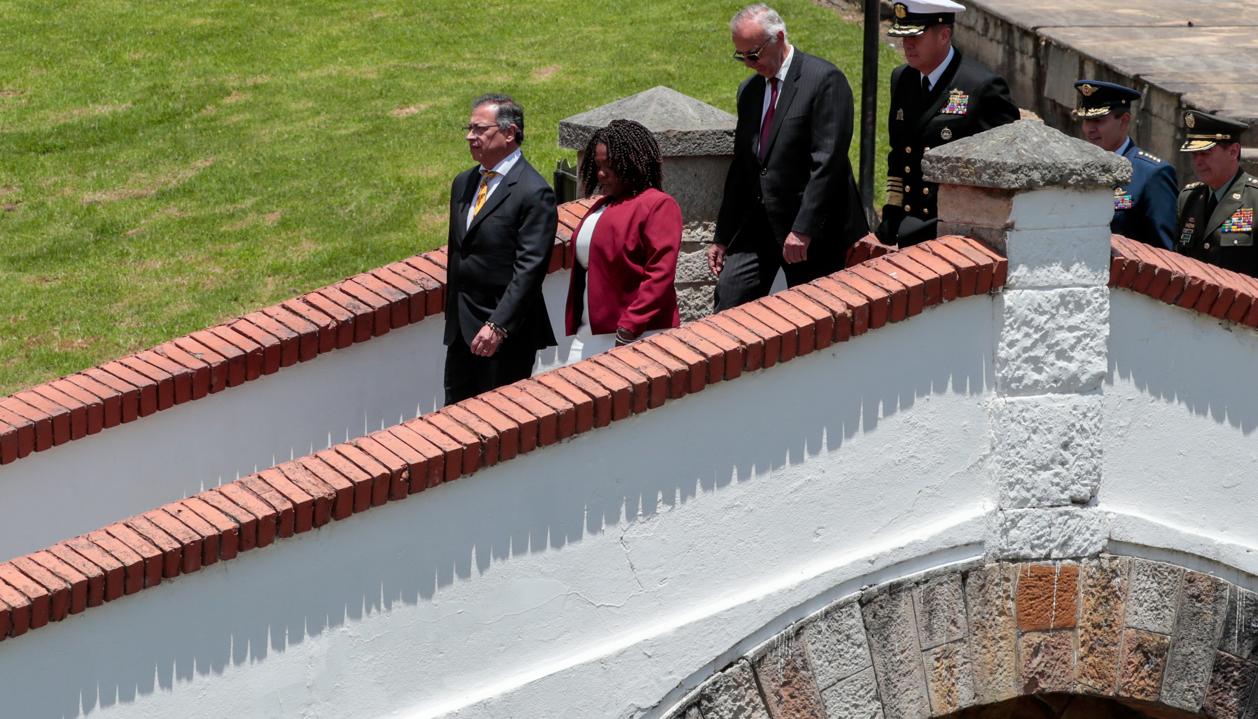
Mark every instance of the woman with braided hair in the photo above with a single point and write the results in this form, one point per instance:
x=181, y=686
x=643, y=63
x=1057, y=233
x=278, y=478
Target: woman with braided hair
x=626, y=247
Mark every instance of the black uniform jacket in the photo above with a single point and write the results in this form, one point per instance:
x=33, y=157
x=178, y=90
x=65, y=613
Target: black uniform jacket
x=967, y=99
x=805, y=183
x=497, y=264
x=1226, y=237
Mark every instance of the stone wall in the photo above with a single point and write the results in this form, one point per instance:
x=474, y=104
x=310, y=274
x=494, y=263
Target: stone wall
x=1111, y=626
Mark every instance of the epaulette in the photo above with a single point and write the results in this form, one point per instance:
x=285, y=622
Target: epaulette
x=1251, y=181
x=1147, y=156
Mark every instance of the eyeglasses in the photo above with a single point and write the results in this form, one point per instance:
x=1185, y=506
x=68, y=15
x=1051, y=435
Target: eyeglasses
x=478, y=130
x=753, y=55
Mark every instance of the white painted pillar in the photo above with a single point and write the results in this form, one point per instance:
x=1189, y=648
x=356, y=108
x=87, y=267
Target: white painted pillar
x=1044, y=200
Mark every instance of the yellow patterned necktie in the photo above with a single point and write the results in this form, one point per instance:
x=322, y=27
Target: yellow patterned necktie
x=483, y=193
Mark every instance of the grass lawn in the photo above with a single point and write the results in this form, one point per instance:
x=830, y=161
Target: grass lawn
x=166, y=165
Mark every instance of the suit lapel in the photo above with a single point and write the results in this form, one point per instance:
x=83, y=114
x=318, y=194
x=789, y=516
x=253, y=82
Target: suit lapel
x=466, y=197
x=1228, y=205
x=785, y=97
x=499, y=195
x=935, y=101
x=755, y=96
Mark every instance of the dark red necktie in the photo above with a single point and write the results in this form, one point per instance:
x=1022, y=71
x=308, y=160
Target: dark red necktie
x=767, y=122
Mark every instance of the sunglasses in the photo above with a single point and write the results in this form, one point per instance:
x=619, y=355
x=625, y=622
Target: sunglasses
x=752, y=55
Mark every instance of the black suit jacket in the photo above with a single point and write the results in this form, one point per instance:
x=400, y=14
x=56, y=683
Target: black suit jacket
x=805, y=182
x=967, y=100
x=497, y=264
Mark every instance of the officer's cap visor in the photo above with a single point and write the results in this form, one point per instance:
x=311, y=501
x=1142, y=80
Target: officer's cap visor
x=1084, y=113
x=906, y=30
x=1197, y=145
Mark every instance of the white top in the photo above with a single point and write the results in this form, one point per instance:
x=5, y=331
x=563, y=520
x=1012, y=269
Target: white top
x=586, y=235
x=768, y=90
x=502, y=168
x=939, y=71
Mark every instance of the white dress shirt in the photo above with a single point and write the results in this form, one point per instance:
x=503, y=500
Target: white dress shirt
x=768, y=89
x=939, y=71
x=502, y=168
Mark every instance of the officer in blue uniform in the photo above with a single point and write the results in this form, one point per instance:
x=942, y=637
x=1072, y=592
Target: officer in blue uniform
x=1144, y=209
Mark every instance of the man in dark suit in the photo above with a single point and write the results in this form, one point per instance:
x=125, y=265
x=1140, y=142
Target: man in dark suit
x=1144, y=209
x=502, y=231
x=937, y=97
x=790, y=199
x=1216, y=214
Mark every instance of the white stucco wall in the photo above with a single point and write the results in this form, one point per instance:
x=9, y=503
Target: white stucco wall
x=594, y=578
x=1181, y=409
x=131, y=468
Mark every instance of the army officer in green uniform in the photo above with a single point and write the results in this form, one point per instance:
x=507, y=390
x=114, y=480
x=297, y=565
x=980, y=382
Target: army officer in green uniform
x=938, y=96
x=1216, y=214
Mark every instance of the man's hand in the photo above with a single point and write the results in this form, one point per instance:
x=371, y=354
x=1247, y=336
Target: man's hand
x=486, y=342
x=795, y=249
x=716, y=258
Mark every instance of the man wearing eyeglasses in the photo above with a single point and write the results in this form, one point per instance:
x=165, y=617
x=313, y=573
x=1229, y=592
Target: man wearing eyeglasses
x=790, y=198
x=502, y=230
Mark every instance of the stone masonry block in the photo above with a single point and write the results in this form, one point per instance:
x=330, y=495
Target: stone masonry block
x=732, y=694
x=693, y=267
x=1077, y=257
x=854, y=698
x=1154, y=596
x=940, y=605
x=976, y=206
x=1101, y=623
x=1056, y=209
x=949, y=678
x=836, y=644
x=1047, y=596
x=1144, y=661
x=896, y=654
x=993, y=633
x=1047, y=449
x=1047, y=661
x=694, y=303
x=1240, y=627
x=1198, y=625
x=1231, y=689
x=786, y=679
x=1052, y=341
x=1054, y=533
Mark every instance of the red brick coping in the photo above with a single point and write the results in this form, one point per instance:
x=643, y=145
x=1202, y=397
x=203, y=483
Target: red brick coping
x=456, y=441
x=245, y=348
x=1184, y=282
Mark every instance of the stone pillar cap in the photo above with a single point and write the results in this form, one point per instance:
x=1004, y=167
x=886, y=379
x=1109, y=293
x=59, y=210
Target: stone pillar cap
x=1025, y=155
x=682, y=125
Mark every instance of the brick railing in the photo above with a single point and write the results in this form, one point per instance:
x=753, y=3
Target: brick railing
x=1178, y=280
x=255, y=345
x=394, y=463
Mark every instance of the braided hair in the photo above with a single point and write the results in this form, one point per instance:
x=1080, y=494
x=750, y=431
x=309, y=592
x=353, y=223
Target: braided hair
x=633, y=153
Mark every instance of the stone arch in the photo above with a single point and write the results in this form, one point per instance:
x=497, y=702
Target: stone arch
x=1150, y=636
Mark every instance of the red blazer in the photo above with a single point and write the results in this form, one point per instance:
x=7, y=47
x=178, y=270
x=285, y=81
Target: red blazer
x=633, y=264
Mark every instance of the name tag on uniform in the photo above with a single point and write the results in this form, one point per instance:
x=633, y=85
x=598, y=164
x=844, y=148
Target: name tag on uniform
x=958, y=103
x=1123, y=200
x=1190, y=225
x=1241, y=221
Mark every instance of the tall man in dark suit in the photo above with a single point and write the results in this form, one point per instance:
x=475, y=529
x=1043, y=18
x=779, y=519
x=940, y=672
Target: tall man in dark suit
x=502, y=230
x=937, y=97
x=790, y=199
x=1144, y=209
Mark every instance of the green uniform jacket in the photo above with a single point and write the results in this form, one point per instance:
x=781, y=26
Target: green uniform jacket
x=1226, y=237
